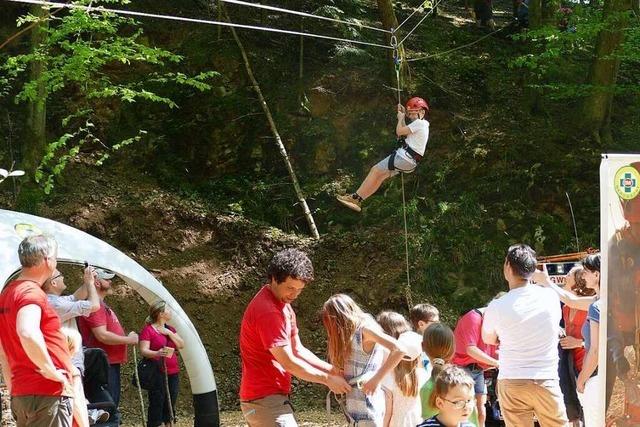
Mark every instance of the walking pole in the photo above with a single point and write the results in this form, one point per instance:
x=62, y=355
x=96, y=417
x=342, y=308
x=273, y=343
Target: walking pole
x=135, y=373
x=166, y=388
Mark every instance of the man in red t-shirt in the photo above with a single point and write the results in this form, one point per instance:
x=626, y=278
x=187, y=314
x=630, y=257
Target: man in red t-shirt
x=34, y=354
x=270, y=347
x=474, y=356
x=102, y=329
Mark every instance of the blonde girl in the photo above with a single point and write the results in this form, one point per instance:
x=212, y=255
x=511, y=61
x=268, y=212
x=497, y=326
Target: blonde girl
x=401, y=386
x=355, y=347
x=453, y=396
x=439, y=345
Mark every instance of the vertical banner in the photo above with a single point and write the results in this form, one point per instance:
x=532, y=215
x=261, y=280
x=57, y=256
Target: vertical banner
x=620, y=287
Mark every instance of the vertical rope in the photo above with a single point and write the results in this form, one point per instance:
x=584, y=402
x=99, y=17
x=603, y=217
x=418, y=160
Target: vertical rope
x=135, y=374
x=397, y=62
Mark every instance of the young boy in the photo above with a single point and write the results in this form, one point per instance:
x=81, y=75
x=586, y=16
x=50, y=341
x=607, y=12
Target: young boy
x=422, y=315
x=404, y=159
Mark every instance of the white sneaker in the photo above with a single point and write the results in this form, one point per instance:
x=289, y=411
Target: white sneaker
x=97, y=416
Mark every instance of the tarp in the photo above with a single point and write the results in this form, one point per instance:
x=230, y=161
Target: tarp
x=620, y=279
x=77, y=246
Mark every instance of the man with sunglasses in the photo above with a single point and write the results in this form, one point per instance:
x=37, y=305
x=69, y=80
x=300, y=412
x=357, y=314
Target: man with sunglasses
x=81, y=303
x=102, y=329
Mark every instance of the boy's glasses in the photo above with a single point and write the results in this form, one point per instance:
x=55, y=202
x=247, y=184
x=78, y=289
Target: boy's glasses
x=460, y=404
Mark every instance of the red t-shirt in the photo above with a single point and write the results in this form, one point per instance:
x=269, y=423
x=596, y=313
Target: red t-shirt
x=468, y=332
x=574, y=329
x=117, y=353
x=267, y=323
x=156, y=342
x=25, y=378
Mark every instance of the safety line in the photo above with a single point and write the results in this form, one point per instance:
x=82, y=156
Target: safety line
x=421, y=7
x=420, y=22
x=455, y=49
x=194, y=20
x=308, y=15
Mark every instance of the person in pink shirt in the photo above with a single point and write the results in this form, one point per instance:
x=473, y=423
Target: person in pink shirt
x=161, y=342
x=474, y=356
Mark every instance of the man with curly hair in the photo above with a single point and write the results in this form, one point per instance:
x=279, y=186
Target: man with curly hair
x=271, y=350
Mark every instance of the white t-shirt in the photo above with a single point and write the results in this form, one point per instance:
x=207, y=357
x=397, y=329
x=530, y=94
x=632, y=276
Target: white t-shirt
x=527, y=322
x=406, y=411
x=419, y=136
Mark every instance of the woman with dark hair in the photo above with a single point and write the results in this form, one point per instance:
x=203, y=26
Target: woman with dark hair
x=588, y=382
x=160, y=342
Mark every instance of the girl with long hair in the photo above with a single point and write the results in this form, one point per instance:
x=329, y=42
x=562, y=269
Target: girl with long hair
x=355, y=347
x=401, y=386
x=160, y=342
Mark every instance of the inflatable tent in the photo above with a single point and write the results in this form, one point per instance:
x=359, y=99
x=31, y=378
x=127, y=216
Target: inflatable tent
x=75, y=247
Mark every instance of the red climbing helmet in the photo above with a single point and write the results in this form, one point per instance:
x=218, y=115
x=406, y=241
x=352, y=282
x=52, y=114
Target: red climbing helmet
x=417, y=103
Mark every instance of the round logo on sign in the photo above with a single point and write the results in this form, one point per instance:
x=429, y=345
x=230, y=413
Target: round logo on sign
x=627, y=182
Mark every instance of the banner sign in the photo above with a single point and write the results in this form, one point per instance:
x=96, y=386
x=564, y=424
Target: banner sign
x=620, y=287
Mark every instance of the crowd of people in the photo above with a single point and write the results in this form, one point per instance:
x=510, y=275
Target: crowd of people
x=43, y=363
x=388, y=370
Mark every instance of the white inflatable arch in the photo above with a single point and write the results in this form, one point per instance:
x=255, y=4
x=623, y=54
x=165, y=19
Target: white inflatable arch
x=76, y=246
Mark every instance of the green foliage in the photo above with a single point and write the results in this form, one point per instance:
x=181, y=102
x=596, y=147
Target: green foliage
x=93, y=61
x=560, y=53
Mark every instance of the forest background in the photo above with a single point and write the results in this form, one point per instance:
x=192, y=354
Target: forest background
x=149, y=134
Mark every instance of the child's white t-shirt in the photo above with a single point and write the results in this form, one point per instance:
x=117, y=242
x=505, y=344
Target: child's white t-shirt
x=406, y=411
x=419, y=136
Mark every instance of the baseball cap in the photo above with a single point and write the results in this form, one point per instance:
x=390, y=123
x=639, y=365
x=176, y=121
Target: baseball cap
x=412, y=343
x=104, y=274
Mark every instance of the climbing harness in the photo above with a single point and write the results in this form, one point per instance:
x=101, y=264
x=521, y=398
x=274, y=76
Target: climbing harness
x=135, y=374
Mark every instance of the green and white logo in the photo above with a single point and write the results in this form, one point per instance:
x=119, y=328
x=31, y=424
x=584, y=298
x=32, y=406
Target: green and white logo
x=627, y=182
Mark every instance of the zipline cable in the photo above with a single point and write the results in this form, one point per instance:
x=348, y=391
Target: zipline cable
x=417, y=9
x=307, y=15
x=435, y=55
x=420, y=22
x=194, y=20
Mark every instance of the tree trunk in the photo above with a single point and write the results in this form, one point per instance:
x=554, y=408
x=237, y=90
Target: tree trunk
x=35, y=138
x=389, y=21
x=35, y=134
x=535, y=14
x=604, y=69
x=276, y=134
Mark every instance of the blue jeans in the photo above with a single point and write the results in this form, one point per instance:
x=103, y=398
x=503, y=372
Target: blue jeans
x=114, y=389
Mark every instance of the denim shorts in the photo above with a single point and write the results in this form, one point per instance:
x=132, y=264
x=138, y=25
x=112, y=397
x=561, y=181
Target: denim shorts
x=478, y=378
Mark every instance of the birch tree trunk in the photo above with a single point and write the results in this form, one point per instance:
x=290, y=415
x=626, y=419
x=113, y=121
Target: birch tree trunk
x=276, y=134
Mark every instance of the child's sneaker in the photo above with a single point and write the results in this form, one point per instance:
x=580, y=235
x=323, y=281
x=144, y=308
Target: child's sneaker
x=350, y=202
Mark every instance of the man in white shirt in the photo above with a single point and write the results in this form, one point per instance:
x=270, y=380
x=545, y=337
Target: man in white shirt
x=525, y=322
x=413, y=128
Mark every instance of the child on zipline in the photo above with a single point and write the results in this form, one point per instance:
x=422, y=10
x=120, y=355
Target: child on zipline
x=413, y=130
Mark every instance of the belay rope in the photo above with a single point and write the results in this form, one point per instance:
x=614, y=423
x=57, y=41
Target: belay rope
x=397, y=62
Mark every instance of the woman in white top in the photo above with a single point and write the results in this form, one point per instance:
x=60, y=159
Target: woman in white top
x=401, y=386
